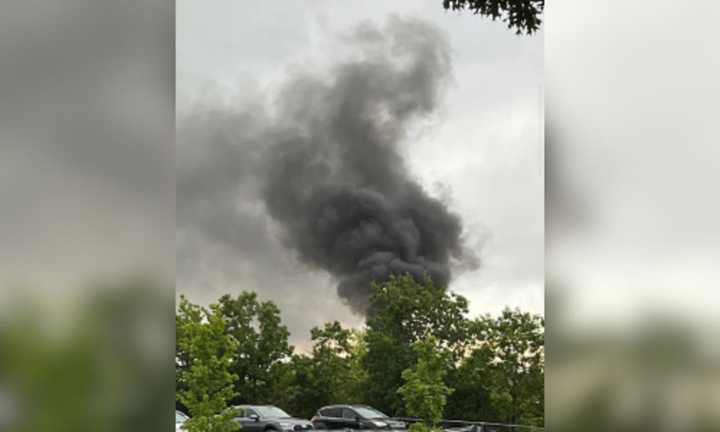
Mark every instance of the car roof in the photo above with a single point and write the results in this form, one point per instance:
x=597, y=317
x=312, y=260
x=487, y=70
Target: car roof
x=254, y=406
x=345, y=406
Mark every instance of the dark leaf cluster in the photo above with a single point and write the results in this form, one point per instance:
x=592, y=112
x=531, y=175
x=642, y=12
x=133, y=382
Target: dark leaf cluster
x=523, y=16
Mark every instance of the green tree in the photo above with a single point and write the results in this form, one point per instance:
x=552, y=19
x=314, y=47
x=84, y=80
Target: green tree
x=356, y=360
x=262, y=345
x=471, y=398
x=523, y=16
x=207, y=380
x=335, y=358
x=332, y=372
x=424, y=390
x=511, y=346
x=404, y=311
x=90, y=368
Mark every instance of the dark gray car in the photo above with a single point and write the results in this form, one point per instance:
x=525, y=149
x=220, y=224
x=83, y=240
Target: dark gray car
x=264, y=418
x=341, y=417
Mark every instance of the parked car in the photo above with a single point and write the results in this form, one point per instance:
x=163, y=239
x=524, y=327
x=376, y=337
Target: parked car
x=353, y=417
x=180, y=419
x=264, y=418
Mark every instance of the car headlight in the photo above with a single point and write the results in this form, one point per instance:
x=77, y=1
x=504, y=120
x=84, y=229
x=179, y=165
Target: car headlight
x=379, y=423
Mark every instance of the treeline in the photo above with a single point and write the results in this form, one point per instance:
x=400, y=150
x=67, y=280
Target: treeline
x=491, y=367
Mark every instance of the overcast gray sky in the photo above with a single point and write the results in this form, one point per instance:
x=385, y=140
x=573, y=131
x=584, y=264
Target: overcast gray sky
x=632, y=121
x=482, y=152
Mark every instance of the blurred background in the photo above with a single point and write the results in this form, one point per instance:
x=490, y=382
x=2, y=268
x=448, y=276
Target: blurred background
x=87, y=245
x=631, y=215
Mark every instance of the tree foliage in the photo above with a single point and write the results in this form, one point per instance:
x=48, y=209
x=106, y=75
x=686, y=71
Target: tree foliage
x=262, y=345
x=508, y=364
x=101, y=367
x=207, y=380
x=405, y=311
x=419, y=355
x=523, y=16
x=424, y=391
x=517, y=340
x=332, y=372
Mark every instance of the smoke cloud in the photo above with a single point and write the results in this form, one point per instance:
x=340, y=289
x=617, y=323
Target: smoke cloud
x=325, y=164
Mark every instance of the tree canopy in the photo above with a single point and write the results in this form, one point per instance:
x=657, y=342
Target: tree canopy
x=262, y=345
x=502, y=374
x=424, y=391
x=331, y=372
x=207, y=381
x=523, y=16
x=419, y=355
x=404, y=311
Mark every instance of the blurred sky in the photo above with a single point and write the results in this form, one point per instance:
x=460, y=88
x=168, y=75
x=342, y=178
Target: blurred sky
x=483, y=151
x=86, y=145
x=633, y=159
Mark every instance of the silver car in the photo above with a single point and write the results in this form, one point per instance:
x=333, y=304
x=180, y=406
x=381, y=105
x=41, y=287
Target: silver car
x=180, y=419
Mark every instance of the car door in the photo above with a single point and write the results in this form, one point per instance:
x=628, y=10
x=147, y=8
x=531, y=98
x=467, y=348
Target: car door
x=350, y=419
x=332, y=418
x=247, y=424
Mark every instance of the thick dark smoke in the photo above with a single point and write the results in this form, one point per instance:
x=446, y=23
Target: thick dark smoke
x=335, y=179
x=324, y=162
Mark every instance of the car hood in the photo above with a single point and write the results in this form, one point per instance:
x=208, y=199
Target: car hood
x=395, y=424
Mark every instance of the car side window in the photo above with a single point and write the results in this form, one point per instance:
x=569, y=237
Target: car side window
x=331, y=412
x=349, y=414
x=249, y=412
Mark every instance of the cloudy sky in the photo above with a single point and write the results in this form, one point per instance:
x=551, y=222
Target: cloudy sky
x=480, y=151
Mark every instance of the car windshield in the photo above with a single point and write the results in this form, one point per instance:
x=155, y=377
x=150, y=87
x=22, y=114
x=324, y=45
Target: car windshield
x=369, y=412
x=180, y=417
x=271, y=412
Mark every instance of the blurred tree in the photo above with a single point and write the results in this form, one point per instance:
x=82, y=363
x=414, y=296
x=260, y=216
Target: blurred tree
x=208, y=384
x=523, y=16
x=51, y=382
x=404, y=311
x=98, y=364
x=132, y=319
x=262, y=345
x=424, y=391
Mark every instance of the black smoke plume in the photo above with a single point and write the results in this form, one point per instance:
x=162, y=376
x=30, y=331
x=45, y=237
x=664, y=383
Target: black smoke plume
x=335, y=179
